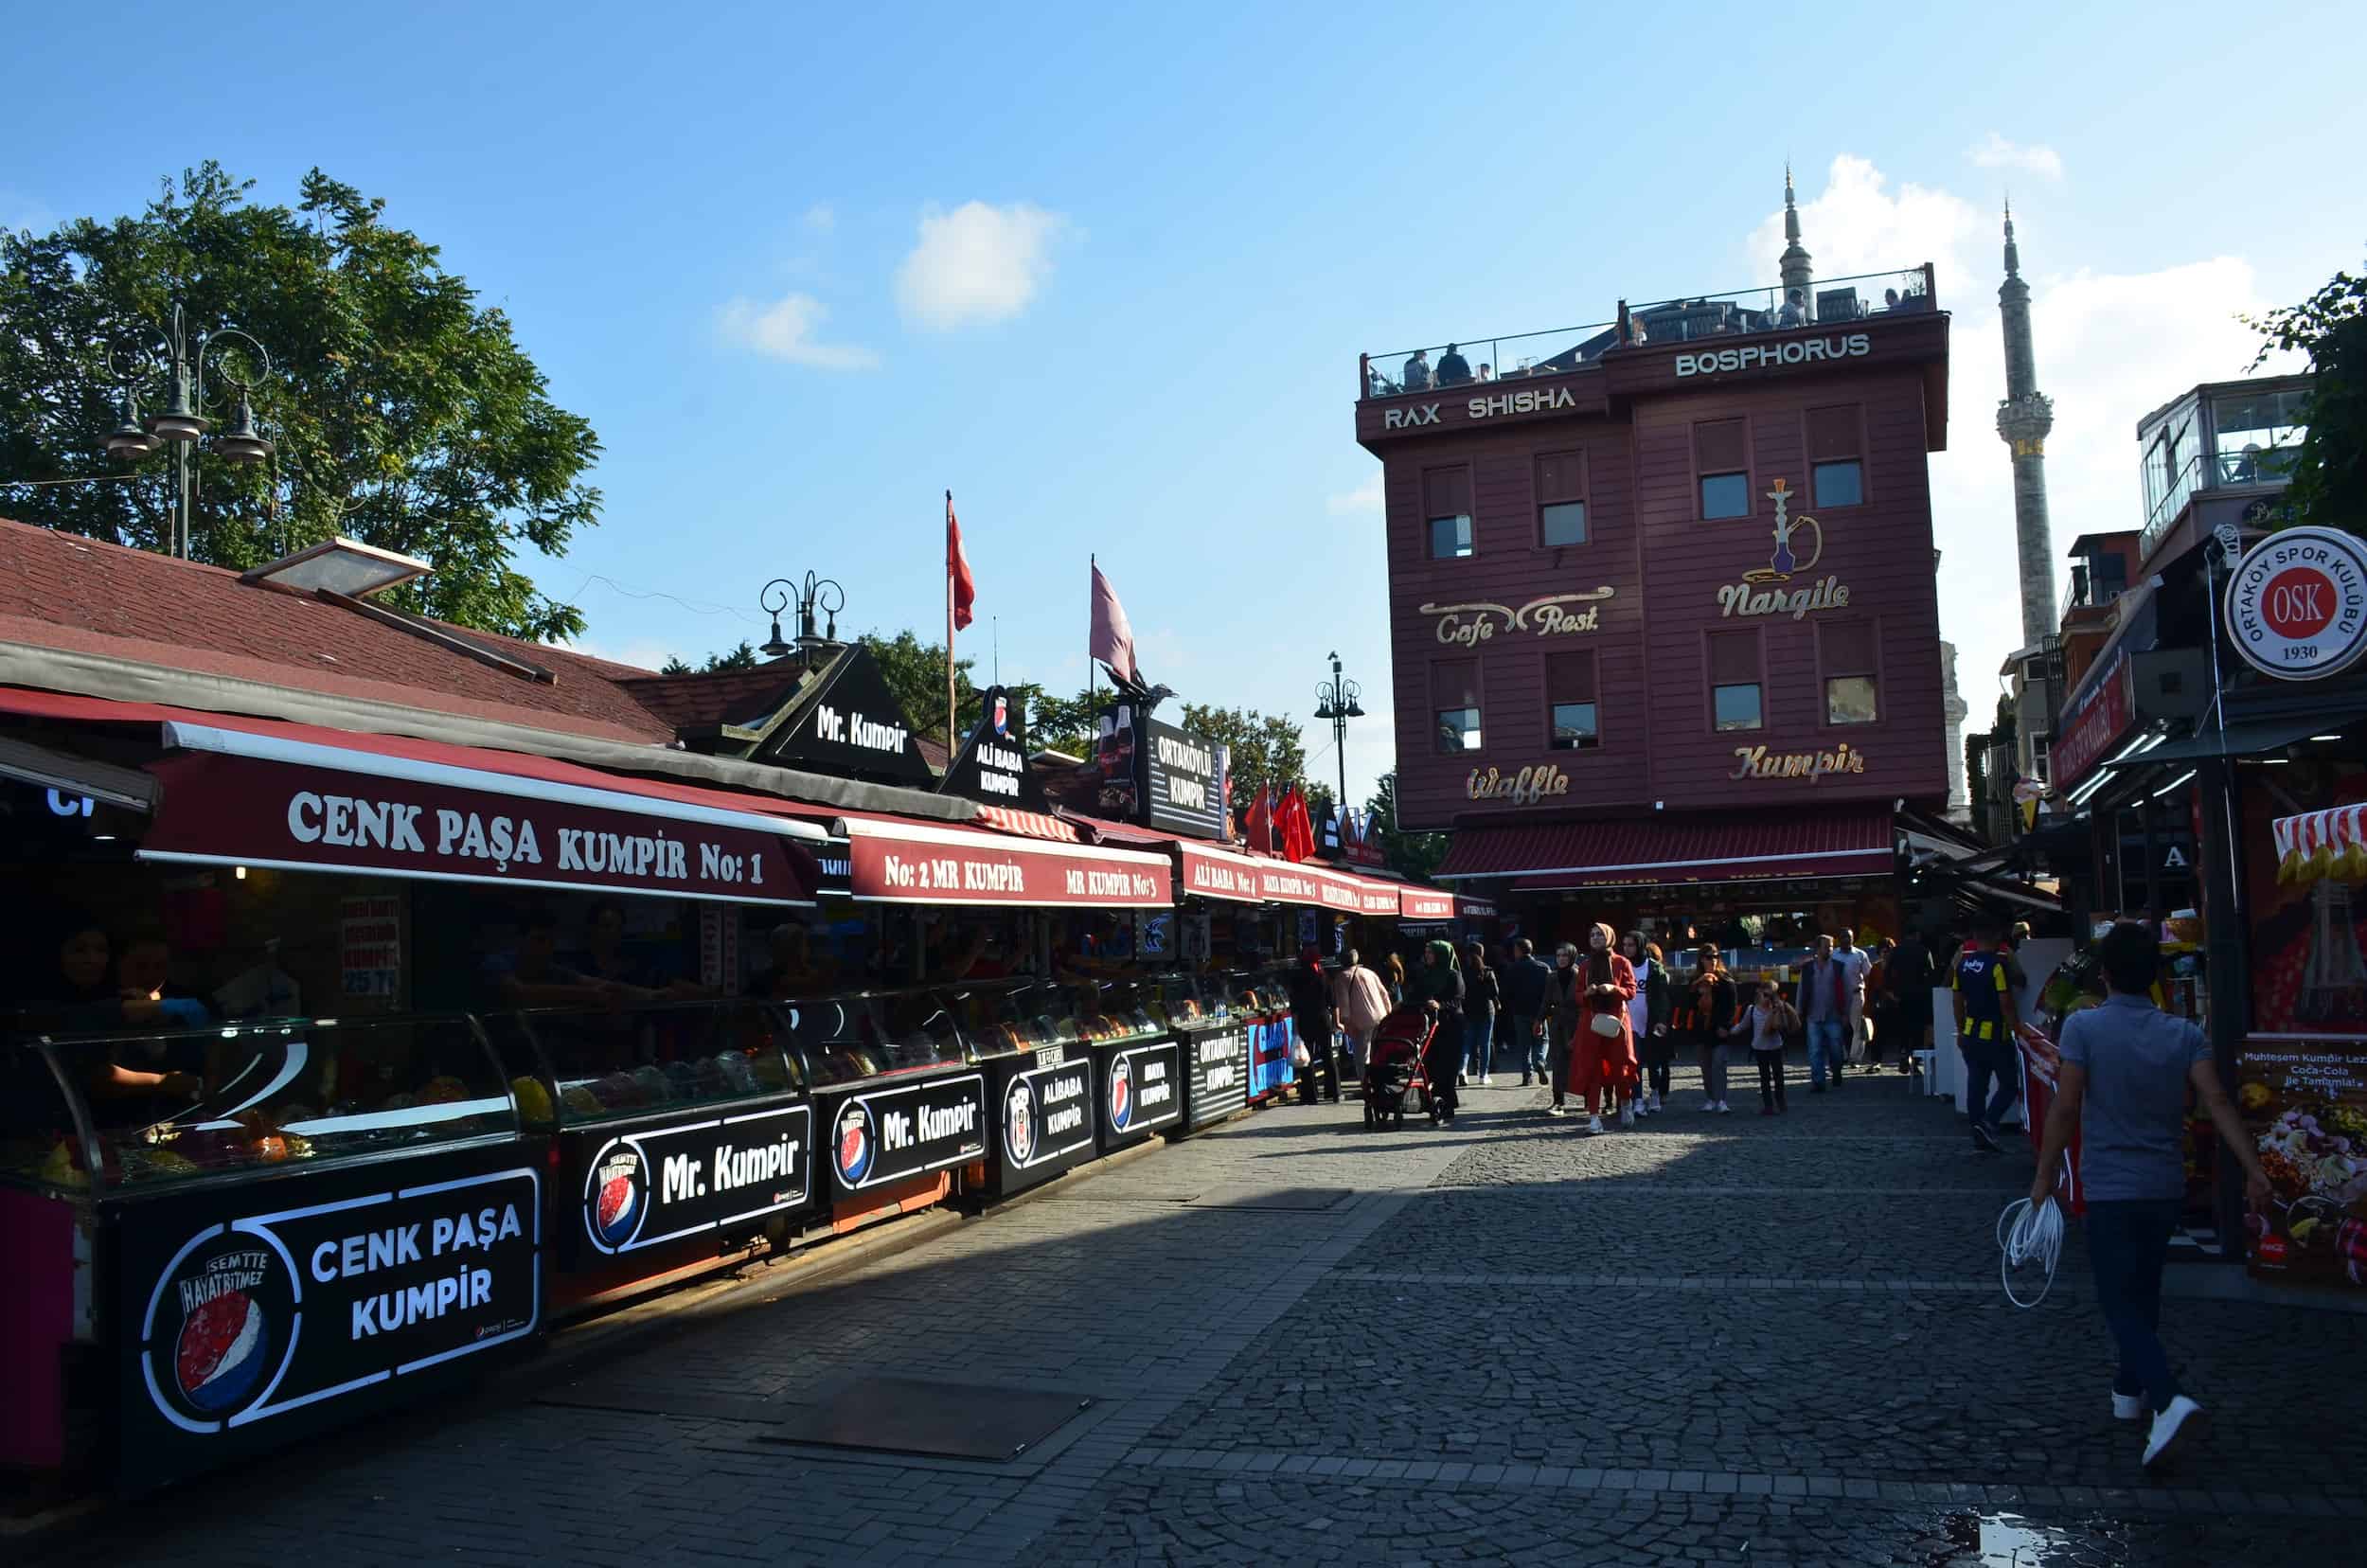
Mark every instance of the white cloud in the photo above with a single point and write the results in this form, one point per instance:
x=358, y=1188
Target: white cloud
x=1995, y=151
x=1364, y=499
x=2109, y=348
x=821, y=218
x=784, y=331
x=977, y=265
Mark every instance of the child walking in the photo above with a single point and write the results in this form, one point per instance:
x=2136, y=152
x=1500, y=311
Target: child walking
x=1767, y=1020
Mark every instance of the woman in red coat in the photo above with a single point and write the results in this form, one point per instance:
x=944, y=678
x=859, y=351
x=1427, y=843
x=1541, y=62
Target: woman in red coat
x=1602, y=1063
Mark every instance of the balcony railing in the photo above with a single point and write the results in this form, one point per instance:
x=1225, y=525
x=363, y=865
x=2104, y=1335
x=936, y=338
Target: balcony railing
x=1468, y=361
x=2246, y=467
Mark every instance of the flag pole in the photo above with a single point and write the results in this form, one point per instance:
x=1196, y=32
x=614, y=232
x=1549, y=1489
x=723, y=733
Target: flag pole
x=948, y=631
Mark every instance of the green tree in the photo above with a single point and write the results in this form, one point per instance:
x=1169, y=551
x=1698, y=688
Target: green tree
x=2329, y=471
x=914, y=671
x=742, y=657
x=1267, y=748
x=403, y=413
x=1414, y=855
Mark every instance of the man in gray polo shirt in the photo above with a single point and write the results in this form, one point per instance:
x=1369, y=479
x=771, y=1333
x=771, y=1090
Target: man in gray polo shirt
x=2126, y=1069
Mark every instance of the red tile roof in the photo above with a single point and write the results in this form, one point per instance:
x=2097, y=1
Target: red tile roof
x=64, y=592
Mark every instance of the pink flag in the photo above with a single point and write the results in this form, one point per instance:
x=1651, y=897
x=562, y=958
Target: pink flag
x=1112, y=639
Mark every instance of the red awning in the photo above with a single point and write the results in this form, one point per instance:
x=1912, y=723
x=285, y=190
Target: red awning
x=895, y=861
x=1424, y=905
x=1039, y=825
x=231, y=796
x=1842, y=841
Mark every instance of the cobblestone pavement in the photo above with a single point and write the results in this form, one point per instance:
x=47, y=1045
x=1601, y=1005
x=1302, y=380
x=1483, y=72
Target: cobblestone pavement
x=1715, y=1339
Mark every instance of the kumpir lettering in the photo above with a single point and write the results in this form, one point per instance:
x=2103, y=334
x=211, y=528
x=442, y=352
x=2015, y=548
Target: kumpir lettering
x=681, y=1176
x=352, y=822
x=1758, y=762
x=365, y=1252
x=856, y=730
x=936, y=1123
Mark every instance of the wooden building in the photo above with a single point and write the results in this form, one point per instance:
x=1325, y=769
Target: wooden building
x=1663, y=604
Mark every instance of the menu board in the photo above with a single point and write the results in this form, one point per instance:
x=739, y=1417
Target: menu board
x=2303, y=1098
x=253, y=1315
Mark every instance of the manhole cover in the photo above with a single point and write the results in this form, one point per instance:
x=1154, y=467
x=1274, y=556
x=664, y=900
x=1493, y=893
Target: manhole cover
x=924, y=1417
x=1289, y=1200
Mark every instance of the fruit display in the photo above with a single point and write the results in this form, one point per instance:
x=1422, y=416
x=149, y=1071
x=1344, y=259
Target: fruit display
x=2318, y=1152
x=534, y=1102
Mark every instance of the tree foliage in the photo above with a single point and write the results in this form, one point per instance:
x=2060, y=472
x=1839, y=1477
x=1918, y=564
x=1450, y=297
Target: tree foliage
x=1414, y=855
x=743, y=657
x=403, y=413
x=1267, y=748
x=2329, y=471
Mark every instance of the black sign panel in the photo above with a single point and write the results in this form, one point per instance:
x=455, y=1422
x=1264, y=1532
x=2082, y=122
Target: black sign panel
x=1184, y=781
x=1218, y=1065
x=252, y=1316
x=887, y=1135
x=848, y=723
x=1142, y=1091
x=694, y=1175
x=1047, y=1116
x=991, y=767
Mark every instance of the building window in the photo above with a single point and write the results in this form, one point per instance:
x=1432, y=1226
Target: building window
x=1454, y=698
x=1734, y=695
x=2042, y=762
x=1722, y=467
x=1560, y=498
x=1447, y=512
x=1837, y=457
x=1570, y=702
x=1847, y=652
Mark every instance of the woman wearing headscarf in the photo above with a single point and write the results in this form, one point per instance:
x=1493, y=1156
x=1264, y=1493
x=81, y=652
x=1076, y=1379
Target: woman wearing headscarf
x=1437, y=989
x=1647, y=1018
x=1565, y=1009
x=1602, y=1053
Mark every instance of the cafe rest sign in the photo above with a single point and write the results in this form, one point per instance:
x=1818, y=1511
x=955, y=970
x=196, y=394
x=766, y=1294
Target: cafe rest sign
x=1768, y=590
x=1554, y=615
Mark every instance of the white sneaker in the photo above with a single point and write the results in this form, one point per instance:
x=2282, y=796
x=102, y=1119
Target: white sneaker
x=2128, y=1407
x=1488, y=1081
x=1708, y=1106
x=2173, y=1430
x=1593, y=1124
x=1626, y=1116
x=1653, y=1106
x=1725, y=1110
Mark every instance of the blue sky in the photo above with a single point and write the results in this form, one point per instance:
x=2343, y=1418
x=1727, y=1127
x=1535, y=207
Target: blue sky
x=1104, y=271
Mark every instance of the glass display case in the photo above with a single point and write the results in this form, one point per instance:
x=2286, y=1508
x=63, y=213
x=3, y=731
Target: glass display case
x=154, y=1109
x=605, y=1065
x=1189, y=1003
x=844, y=1039
x=1003, y=1020
x=1121, y=1012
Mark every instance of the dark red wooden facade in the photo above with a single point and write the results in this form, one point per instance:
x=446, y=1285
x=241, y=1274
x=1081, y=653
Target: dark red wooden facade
x=1629, y=435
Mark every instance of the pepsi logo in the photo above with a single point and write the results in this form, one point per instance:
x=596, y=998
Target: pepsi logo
x=235, y=1306
x=856, y=1145
x=618, y=1196
x=1121, y=1094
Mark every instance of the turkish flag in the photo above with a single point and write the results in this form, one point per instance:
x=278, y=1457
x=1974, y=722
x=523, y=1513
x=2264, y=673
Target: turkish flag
x=1298, y=828
x=1257, y=829
x=957, y=569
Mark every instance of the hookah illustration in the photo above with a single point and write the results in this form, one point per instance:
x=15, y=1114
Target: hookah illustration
x=1781, y=566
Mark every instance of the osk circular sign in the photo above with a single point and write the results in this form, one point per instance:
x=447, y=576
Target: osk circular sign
x=2297, y=605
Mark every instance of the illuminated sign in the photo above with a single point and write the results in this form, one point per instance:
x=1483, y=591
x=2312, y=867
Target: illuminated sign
x=1765, y=356
x=1760, y=762
x=1763, y=590
x=1542, y=782
x=1555, y=616
x=2297, y=605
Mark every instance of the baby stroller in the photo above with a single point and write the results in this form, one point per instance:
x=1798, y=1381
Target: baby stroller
x=1396, y=1069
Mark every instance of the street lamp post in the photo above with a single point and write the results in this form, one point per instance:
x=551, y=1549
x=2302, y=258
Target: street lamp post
x=1336, y=700
x=814, y=592
x=183, y=419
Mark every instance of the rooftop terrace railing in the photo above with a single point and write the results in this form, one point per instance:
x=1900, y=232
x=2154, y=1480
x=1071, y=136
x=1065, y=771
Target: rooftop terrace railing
x=1771, y=307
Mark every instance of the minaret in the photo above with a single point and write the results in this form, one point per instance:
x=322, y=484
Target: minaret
x=1794, y=269
x=2023, y=422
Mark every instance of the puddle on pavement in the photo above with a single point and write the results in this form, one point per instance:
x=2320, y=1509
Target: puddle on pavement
x=2008, y=1541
